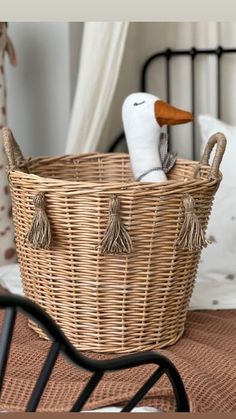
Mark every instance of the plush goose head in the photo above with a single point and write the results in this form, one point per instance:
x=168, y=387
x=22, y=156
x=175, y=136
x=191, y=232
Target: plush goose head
x=143, y=116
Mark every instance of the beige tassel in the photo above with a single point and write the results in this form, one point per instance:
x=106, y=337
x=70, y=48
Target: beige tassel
x=191, y=236
x=116, y=239
x=39, y=235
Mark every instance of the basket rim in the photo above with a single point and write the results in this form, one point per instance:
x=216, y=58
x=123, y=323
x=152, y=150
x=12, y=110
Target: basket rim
x=17, y=173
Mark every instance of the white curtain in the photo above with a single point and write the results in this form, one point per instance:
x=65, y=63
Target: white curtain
x=100, y=61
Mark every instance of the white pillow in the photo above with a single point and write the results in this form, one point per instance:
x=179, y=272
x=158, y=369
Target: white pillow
x=218, y=260
x=209, y=126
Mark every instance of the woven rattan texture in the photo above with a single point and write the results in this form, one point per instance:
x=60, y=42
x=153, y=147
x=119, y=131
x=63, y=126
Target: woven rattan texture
x=106, y=302
x=205, y=357
x=130, y=301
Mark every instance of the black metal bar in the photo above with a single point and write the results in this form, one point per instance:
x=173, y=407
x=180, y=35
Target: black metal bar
x=5, y=342
x=168, y=80
x=97, y=367
x=143, y=80
x=168, y=90
x=144, y=389
x=87, y=391
x=116, y=141
x=171, y=52
x=182, y=403
x=219, y=55
x=193, y=55
x=43, y=377
x=218, y=87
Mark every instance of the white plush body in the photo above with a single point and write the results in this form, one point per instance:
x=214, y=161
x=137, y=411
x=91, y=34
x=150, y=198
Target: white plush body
x=142, y=134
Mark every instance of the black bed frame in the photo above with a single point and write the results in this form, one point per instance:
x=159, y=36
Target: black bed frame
x=167, y=55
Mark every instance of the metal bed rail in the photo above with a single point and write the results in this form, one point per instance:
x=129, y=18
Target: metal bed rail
x=168, y=55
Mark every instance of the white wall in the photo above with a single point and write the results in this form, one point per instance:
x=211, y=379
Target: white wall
x=39, y=87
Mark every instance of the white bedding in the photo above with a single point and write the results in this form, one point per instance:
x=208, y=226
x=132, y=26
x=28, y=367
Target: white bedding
x=116, y=409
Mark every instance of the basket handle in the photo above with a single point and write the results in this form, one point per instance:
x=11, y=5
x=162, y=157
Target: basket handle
x=13, y=152
x=219, y=140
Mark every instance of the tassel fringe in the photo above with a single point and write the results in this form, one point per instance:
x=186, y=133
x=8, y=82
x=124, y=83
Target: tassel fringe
x=116, y=239
x=39, y=235
x=191, y=236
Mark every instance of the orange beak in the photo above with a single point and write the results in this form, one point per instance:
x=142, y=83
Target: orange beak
x=169, y=115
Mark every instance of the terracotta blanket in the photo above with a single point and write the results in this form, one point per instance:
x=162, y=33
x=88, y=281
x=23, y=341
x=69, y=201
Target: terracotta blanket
x=205, y=357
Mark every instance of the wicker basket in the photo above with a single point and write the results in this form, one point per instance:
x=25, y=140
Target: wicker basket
x=126, y=292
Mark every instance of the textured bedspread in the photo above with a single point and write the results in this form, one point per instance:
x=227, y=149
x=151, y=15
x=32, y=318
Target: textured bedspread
x=205, y=357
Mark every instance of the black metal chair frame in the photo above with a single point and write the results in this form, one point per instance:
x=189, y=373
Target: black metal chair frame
x=168, y=56
x=60, y=344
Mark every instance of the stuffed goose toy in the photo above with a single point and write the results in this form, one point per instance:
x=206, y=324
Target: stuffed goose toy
x=143, y=116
